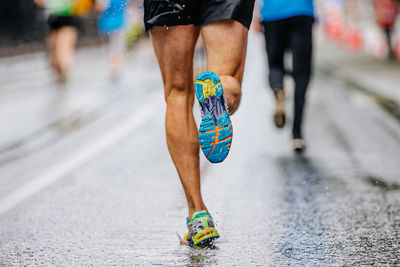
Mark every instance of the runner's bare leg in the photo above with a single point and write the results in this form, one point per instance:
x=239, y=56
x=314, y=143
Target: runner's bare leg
x=51, y=37
x=176, y=44
x=65, y=49
x=226, y=58
x=174, y=48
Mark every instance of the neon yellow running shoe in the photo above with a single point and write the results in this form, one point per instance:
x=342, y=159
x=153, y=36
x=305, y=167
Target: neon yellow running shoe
x=201, y=230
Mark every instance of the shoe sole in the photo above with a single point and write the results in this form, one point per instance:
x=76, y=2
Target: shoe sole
x=206, y=239
x=215, y=133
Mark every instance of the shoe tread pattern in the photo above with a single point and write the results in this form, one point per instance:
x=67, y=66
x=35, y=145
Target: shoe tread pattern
x=215, y=133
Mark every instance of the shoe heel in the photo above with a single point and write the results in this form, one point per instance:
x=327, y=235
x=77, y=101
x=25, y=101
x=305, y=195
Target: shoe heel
x=198, y=89
x=208, y=83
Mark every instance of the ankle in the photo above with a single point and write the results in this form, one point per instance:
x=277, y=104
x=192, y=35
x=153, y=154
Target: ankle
x=279, y=94
x=191, y=211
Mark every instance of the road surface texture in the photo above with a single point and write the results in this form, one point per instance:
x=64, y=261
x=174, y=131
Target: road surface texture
x=86, y=178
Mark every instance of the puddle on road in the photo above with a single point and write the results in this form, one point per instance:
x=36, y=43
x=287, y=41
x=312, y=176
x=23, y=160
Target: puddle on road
x=201, y=257
x=302, y=241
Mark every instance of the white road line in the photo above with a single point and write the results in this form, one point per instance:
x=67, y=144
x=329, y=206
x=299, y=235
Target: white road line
x=78, y=158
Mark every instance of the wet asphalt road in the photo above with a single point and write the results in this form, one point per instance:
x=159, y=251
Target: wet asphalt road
x=86, y=179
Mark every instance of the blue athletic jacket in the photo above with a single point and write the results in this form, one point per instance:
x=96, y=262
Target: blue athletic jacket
x=112, y=19
x=282, y=9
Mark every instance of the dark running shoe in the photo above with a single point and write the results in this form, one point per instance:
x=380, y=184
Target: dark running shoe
x=298, y=145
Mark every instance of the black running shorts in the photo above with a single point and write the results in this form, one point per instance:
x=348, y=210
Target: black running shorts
x=197, y=12
x=56, y=22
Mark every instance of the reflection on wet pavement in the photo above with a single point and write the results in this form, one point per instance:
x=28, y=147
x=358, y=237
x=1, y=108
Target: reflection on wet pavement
x=302, y=240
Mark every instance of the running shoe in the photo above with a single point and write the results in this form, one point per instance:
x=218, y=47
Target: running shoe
x=279, y=116
x=298, y=145
x=215, y=132
x=201, y=230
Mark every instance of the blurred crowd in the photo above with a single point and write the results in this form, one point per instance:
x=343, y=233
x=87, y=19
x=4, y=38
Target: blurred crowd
x=25, y=22
x=61, y=23
x=371, y=26
x=362, y=25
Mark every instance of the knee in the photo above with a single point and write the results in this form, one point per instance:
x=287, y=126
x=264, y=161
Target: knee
x=178, y=90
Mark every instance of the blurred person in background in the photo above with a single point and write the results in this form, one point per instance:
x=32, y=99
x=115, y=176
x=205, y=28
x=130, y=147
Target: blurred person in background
x=111, y=22
x=287, y=27
x=63, y=24
x=386, y=12
x=174, y=27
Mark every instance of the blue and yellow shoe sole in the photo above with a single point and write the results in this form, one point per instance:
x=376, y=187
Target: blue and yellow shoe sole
x=216, y=131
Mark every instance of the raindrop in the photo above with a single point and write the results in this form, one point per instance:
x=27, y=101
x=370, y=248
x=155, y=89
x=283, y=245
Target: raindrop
x=183, y=5
x=179, y=17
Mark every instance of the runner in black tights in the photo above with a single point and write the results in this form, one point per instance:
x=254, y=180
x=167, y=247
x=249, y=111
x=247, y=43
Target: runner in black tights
x=288, y=27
